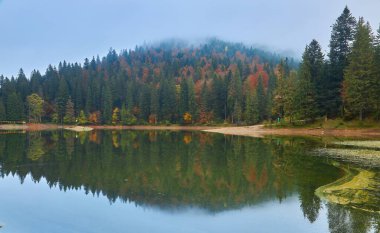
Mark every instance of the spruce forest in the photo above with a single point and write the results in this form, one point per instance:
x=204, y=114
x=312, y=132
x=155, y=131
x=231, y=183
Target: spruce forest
x=215, y=82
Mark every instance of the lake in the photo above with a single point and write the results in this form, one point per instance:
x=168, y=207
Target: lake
x=164, y=181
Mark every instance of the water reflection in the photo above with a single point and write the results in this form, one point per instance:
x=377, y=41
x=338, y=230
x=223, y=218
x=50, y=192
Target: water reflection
x=174, y=170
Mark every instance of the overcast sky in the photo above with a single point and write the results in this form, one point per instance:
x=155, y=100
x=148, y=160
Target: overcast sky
x=35, y=33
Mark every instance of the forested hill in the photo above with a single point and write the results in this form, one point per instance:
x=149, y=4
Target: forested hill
x=170, y=82
x=210, y=83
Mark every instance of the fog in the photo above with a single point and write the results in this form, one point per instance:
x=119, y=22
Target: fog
x=35, y=33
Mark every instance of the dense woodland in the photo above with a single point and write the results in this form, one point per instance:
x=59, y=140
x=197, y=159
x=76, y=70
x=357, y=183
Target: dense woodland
x=210, y=83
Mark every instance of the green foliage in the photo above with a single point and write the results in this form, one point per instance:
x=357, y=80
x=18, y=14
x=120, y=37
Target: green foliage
x=342, y=36
x=359, y=73
x=63, y=95
x=70, y=112
x=305, y=97
x=3, y=114
x=82, y=119
x=15, y=107
x=116, y=116
x=35, y=107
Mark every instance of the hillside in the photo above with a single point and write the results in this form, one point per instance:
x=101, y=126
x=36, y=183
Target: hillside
x=167, y=83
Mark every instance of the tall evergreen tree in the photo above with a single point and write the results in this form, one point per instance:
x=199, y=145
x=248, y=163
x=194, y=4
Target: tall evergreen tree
x=342, y=35
x=15, y=107
x=3, y=115
x=261, y=99
x=69, y=112
x=107, y=104
x=309, y=76
x=375, y=86
x=360, y=71
x=63, y=95
x=234, y=97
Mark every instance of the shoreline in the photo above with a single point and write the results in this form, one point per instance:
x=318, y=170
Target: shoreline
x=45, y=127
x=251, y=131
x=261, y=131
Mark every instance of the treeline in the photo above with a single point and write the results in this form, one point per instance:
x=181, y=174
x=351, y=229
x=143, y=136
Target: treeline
x=347, y=84
x=212, y=83
x=169, y=83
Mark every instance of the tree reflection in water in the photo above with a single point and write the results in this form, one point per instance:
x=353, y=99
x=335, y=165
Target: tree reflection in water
x=177, y=169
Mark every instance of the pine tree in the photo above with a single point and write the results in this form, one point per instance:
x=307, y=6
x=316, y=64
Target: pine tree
x=2, y=110
x=289, y=96
x=342, y=36
x=360, y=71
x=261, y=99
x=63, y=95
x=234, y=96
x=123, y=115
x=69, y=112
x=375, y=86
x=154, y=106
x=318, y=81
x=106, y=104
x=305, y=97
x=15, y=107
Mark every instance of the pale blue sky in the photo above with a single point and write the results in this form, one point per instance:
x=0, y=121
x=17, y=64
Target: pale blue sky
x=35, y=33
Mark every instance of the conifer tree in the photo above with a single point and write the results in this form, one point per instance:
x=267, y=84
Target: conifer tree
x=261, y=99
x=15, y=107
x=106, y=104
x=2, y=110
x=360, y=71
x=234, y=96
x=305, y=98
x=342, y=35
x=70, y=112
x=375, y=85
x=62, y=97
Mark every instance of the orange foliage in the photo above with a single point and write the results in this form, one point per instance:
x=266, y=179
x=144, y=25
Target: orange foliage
x=187, y=138
x=94, y=137
x=94, y=117
x=253, y=79
x=187, y=118
x=152, y=119
x=205, y=117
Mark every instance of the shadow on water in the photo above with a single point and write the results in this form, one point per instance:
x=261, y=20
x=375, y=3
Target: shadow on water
x=176, y=170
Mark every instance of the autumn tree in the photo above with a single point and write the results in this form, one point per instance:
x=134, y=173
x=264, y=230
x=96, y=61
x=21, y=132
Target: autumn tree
x=116, y=116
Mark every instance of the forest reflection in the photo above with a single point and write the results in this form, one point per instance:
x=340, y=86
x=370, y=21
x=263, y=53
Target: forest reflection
x=172, y=170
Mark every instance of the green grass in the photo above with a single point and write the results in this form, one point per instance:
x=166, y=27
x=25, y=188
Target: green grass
x=327, y=124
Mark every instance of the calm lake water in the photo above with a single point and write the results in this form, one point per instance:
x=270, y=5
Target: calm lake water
x=151, y=181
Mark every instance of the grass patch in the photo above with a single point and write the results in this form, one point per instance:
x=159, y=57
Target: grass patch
x=363, y=144
x=326, y=124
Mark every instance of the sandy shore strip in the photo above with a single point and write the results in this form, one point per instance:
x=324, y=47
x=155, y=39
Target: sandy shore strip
x=261, y=131
x=79, y=128
x=40, y=127
x=154, y=127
